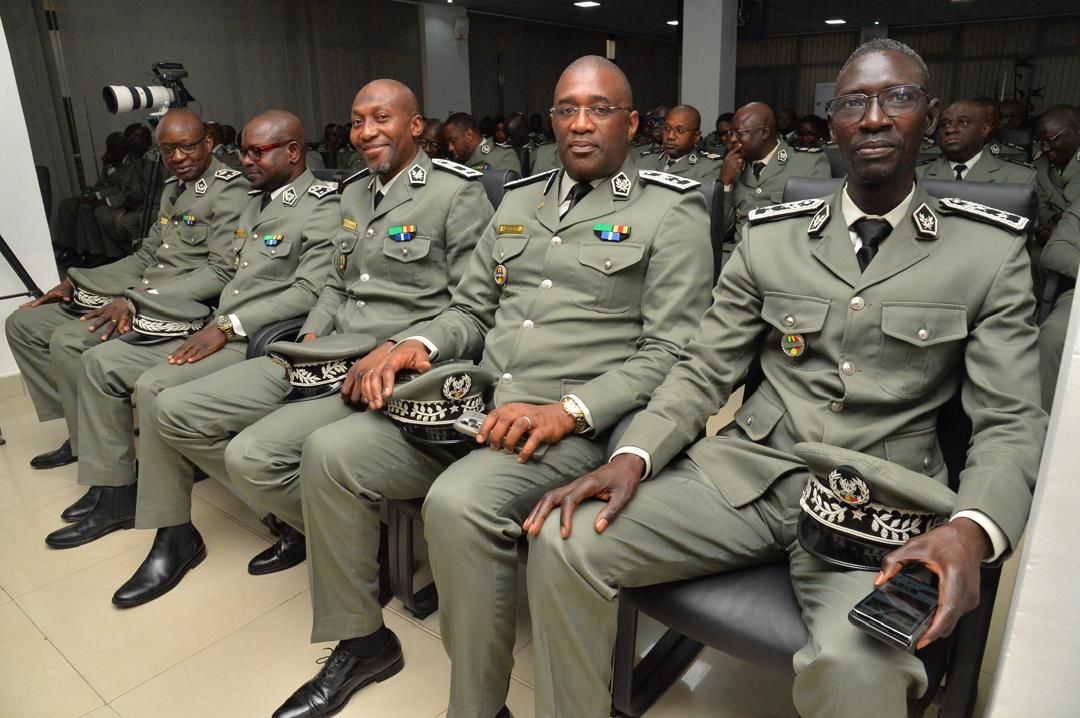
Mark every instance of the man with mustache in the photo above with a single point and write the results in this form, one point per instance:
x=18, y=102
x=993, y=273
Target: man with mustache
x=200, y=205
x=682, y=133
x=852, y=306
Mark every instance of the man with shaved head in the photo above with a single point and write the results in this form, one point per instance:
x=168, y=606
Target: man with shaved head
x=200, y=205
x=274, y=269
x=759, y=163
x=964, y=134
x=682, y=133
x=1058, y=169
x=382, y=279
x=578, y=296
x=861, y=337
x=466, y=145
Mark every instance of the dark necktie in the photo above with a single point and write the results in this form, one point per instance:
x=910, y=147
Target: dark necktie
x=960, y=172
x=265, y=201
x=378, y=197
x=577, y=192
x=758, y=166
x=872, y=232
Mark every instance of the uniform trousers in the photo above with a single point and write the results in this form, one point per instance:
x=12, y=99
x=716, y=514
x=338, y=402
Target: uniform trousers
x=117, y=375
x=476, y=500
x=679, y=526
x=240, y=407
x=1052, y=345
x=48, y=344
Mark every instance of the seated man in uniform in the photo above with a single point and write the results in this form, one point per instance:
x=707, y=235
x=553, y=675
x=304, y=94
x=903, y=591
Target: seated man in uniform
x=274, y=270
x=200, y=205
x=1058, y=169
x=758, y=165
x=852, y=307
x=375, y=287
x=717, y=140
x=467, y=146
x=431, y=138
x=682, y=133
x=116, y=212
x=963, y=133
x=1062, y=255
x=811, y=133
x=579, y=294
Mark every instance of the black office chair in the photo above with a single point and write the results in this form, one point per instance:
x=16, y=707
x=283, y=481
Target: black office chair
x=494, y=182
x=713, y=191
x=752, y=613
x=837, y=164
x=333, y=175
x=1019, y=136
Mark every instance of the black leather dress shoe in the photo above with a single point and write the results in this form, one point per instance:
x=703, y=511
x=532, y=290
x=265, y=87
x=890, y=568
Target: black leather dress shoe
x=78, y=510
x=114, y=510
x=289, y=550
x=342, y=675
x=56, y=457
x=176, y=550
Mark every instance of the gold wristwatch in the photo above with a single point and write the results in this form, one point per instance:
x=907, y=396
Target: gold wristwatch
x=573, y=407
x=225, y=325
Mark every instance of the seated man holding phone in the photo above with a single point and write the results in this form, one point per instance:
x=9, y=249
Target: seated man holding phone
x=853, y=307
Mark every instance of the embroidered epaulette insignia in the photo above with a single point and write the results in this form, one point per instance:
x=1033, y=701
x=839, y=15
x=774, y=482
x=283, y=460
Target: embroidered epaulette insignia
x=227, y=174
x=679, y=184
x=455, y=168
x=787, y=209
x=321, y=190
x=514, y=184
x=991, y=215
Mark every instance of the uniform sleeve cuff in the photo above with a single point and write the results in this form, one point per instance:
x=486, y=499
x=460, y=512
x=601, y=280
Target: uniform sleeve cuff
x=997, y=537
x=640, y=453
x=432, y=349
x=237, y=326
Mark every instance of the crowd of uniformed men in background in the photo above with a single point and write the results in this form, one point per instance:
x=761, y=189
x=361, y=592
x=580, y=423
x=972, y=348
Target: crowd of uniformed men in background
x=576, y=294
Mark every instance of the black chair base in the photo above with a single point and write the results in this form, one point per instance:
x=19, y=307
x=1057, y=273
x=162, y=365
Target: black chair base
x=402, y=519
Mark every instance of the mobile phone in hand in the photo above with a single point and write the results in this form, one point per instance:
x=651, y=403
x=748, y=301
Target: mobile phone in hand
x=469, y=424
x=899, y=611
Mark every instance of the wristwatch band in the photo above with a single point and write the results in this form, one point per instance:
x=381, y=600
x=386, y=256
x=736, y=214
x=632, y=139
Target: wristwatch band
x=226, y=326
x=573, y=407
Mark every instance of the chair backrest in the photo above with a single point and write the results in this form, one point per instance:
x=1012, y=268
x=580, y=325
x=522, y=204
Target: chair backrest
x=494, y=181
x=1019, y=199
x=45, y=185
x=1015, y=136
x=335, y=176
x=837, y=164
x=713, y=192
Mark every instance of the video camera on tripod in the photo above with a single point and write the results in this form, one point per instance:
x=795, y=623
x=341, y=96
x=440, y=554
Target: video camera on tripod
x=158, y=99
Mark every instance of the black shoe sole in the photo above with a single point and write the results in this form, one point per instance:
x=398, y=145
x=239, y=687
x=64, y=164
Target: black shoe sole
x=195, y=561
x=123, y=525
x=264, y=571
x=42, y=465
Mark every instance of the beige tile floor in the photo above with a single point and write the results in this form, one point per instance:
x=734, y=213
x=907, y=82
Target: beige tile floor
x=226, y=644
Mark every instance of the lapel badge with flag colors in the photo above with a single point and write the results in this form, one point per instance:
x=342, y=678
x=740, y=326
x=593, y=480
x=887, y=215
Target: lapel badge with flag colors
x=794, y=345
x=189, y=219
x=403, y=233
x=612, y=232
x=273, y=240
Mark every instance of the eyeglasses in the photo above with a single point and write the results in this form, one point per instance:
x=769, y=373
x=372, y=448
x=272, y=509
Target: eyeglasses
x=960, y=123
x=255, y=152
x=1051, y=140
x=596, y=113
x=186, y=148
x=680, y=131
x=739, y=133
x=893, y=101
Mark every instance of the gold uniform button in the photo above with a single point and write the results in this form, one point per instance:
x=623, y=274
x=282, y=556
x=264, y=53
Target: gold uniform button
x=923, y=334
x=836, y=406
x=507, y=378
x=404, y=252
x=364, y=277
x=607, y=264
x=789, y=321
x=244, y=264
x=848, y=368
x=857, y=303
x=527, y=325
x=758, y=190
x=546, y=284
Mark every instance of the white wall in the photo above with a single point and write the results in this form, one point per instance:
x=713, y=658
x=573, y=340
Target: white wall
x=22, y=214
x=707, y=79
x=444, y=59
